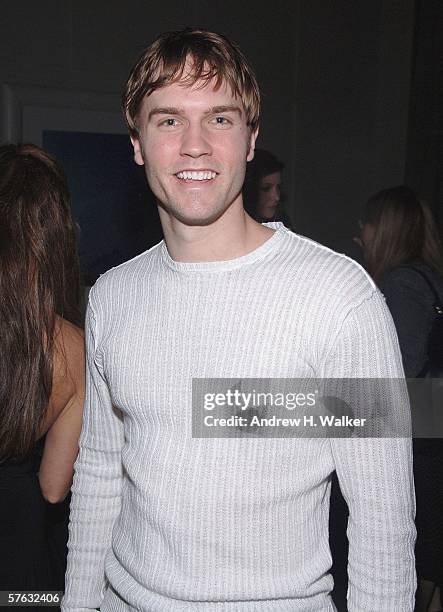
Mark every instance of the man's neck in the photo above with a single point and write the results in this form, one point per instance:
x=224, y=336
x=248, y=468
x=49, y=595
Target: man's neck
x=232, y=235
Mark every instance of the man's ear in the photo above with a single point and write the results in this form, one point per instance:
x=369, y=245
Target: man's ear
x=253, y=138
x=138, y=151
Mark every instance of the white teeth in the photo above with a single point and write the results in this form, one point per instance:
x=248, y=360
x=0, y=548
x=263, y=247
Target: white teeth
x=196, y=175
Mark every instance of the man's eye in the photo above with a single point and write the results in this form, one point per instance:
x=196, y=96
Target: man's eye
x=169, y=122
x=224, y=121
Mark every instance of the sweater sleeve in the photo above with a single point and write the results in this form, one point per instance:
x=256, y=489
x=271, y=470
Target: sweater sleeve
x=96, y=488
x=375, y=474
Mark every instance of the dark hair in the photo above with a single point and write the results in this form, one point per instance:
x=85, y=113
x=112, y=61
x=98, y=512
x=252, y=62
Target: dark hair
x=405, y=232
x=263, y=164
x=39, y=279
x=213, y=57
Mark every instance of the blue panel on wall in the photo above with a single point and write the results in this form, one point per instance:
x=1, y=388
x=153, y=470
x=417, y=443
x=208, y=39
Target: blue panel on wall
x=111, y=201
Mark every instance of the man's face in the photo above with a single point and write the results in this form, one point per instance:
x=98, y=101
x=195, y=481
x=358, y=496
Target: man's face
x=194, y=144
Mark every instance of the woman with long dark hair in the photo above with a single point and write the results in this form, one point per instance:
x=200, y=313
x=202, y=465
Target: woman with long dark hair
x=404, y=255
x=41, y=365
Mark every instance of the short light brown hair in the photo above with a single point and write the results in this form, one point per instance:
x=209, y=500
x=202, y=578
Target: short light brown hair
x=213, y=57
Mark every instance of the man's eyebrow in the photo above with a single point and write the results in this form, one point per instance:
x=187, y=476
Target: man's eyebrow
x=165, y=110
x=224, y=109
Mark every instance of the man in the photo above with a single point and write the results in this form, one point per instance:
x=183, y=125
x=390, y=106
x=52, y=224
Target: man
x=162, y=521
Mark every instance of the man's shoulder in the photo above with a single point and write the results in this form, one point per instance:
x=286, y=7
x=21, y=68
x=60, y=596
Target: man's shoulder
x=332, y=273
x=122, y=277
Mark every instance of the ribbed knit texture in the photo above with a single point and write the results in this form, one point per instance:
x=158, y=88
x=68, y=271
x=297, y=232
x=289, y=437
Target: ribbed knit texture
x=180, y=524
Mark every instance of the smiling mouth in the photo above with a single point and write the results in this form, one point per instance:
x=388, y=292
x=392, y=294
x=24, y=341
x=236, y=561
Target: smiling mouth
x=196, y=175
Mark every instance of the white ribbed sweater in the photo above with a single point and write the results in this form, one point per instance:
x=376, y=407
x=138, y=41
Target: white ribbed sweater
x=180, y=524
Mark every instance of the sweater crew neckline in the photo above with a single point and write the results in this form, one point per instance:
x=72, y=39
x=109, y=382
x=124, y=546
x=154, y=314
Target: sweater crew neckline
x=230, y=264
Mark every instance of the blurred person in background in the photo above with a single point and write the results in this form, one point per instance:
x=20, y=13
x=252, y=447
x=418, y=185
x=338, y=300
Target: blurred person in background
x=41, y=368
x=262, y=189
x=403, y=253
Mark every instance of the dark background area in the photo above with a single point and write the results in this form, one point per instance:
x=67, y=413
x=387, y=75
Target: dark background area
x=352, y=89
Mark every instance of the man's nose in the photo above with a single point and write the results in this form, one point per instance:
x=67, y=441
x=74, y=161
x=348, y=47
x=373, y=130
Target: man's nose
x=195, y=142
x=276, y=195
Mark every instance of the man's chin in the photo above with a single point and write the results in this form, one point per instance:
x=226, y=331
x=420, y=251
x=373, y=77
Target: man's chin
x=193, y=218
